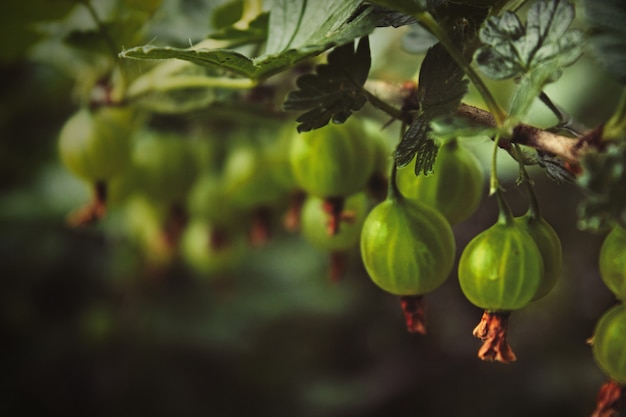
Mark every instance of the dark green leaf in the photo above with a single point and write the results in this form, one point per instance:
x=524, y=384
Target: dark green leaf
x=512, y=49
x=440, y=90
x=392, y=18
x=608, y=39
x=335, y=91
x=411, y=141
x=404, y=6
x=227, y=14
x=441, y=85
x=121, y=31
x=416, y=144
x=256, y=32
x=555, y=168
x=17, y=23
x=604, y=182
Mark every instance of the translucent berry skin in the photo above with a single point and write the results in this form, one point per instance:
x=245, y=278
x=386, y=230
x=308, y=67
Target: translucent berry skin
x=549, y=246
x=455, y=188
x=206, y=258
x=407, y=247
x=613, y=262
x=315, y=220
x=333, y=161
x=609, y=343
x=500, y=269
x=165, y=166
x=251, y=176
x=95, y=145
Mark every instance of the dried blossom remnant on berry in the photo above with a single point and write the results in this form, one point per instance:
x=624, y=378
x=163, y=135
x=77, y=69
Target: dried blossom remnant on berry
x=492, y=330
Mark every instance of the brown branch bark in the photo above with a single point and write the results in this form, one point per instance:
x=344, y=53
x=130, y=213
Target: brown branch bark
x=569, y=149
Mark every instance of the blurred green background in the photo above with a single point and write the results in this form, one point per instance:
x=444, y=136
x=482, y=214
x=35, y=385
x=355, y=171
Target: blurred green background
x=90, y=329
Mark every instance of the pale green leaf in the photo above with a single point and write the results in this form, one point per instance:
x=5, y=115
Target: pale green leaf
x=512, y=49
x=309, y=40
x=608, y=38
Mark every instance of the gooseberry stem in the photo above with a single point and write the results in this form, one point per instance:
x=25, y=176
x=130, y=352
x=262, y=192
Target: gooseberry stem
x=393, y=193
x=494, y=184
x=106, y=36
x=505, y=215
x=533, y=204
x=385, y=107
x=431, y=24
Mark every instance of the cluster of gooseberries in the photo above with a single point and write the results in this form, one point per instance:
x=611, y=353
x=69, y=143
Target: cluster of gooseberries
x=207, y=204
x=609, y=338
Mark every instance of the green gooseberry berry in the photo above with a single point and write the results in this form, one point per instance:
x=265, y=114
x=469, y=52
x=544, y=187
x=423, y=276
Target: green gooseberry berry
x=95, y=144
x=549, y=246
x=332, y=161
x=613, y=261
x=609, y=343
x=315, y=222
x=407, y=247
x=209, y=250
x=500, y=269
x=455, y=187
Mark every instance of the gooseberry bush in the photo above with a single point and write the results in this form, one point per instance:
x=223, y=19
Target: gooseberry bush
x=281, y=120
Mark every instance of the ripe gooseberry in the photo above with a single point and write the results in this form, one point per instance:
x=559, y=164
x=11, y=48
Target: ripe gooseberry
x=455, y=188
x=333, y=161
x=251, y=174
x=210, y=251
x=408, y=250
x=144, y=224
x=317, y=230
x=95, y=146
x=165, y=166
x=315, y=219
x=549, y=246
x=609, y=343
x=499, y=271
x=609, y=352
x=613, y=262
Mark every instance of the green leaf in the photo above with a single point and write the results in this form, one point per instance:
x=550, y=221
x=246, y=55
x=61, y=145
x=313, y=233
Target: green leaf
x=256, y=32
x=335, y=91
x=227, y=14
x=441, y=85
x=555, y=168
x=18, y=21
x=604, y=182
x=177, y=87
x=440, y=90
x=404, y=6
x=417, y=144
x=511, y=48
x=145, y=6
x=608, y=38
x=316, y=34
x=122, y=31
